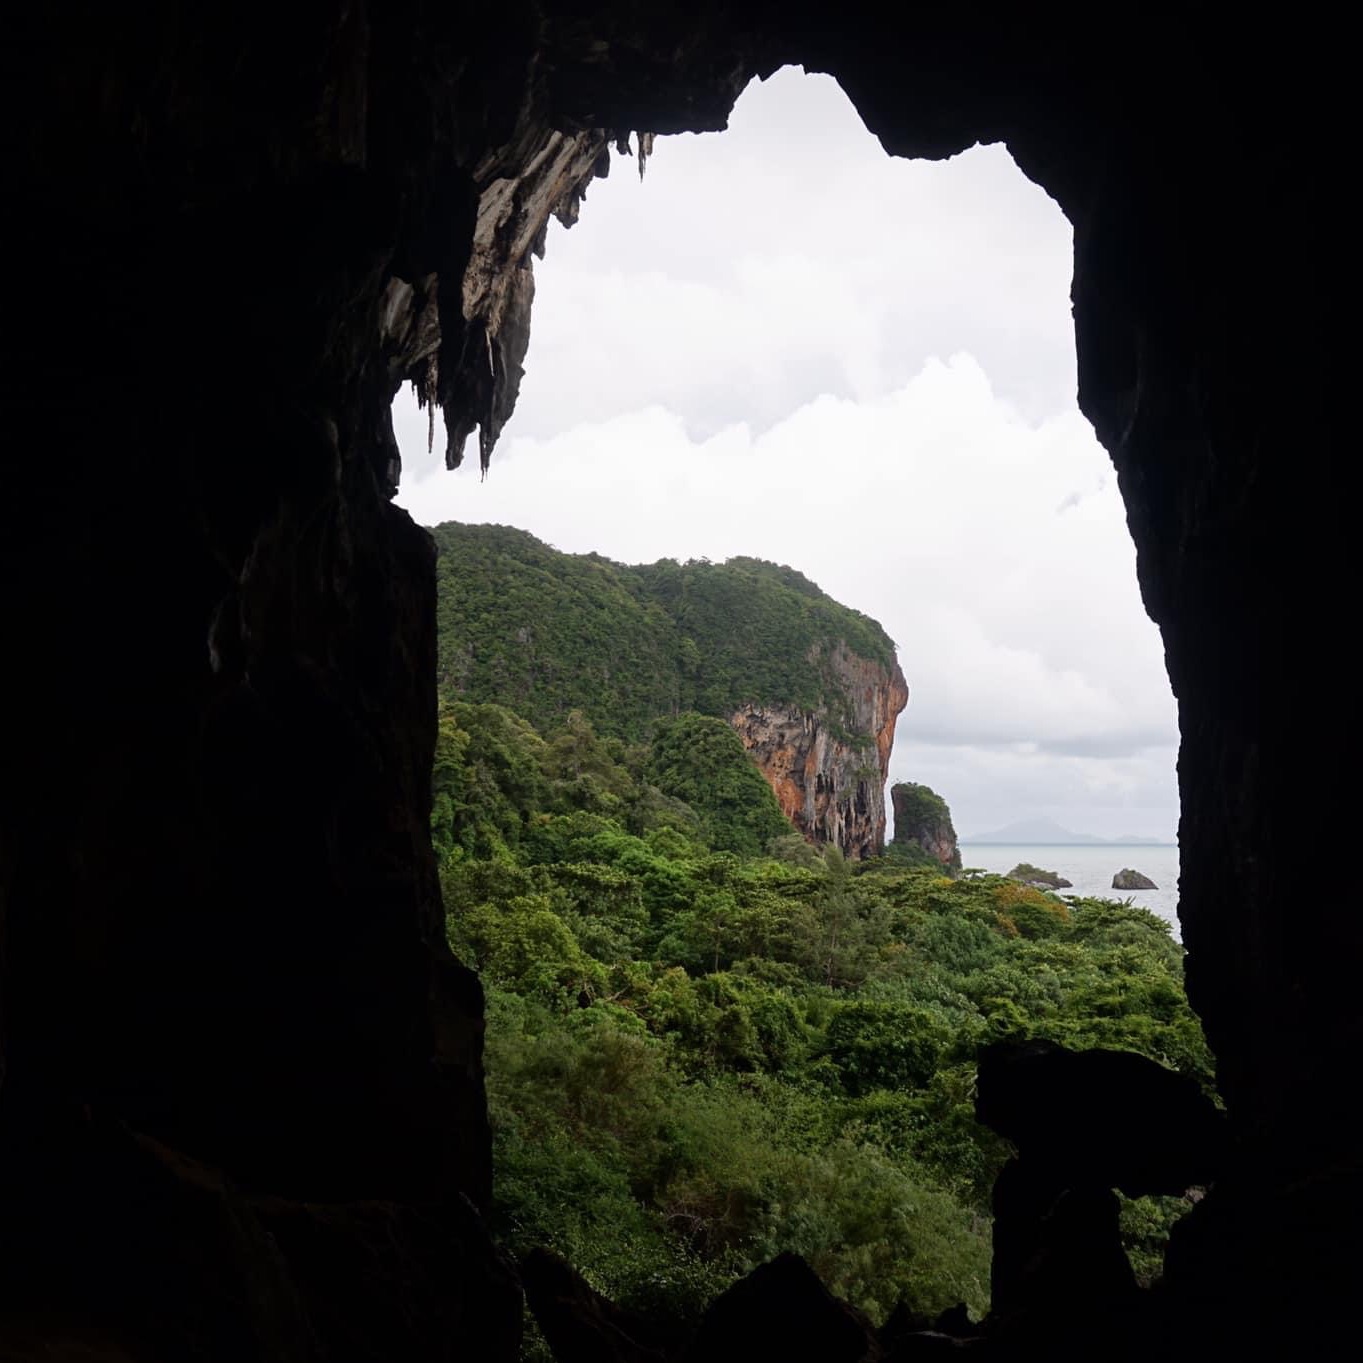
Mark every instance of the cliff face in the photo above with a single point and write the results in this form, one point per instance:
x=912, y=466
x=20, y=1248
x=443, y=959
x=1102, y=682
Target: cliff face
x=922, y=819
x=829, y=774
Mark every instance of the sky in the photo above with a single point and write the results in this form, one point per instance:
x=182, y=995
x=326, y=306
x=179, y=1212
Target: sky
x=785, y=343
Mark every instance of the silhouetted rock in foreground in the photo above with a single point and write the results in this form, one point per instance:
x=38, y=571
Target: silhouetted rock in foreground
x=902, y=1321
x=955, y=1321
x=580, y=1325
x=1100, y=1118
x=782, y=1311
x=908, y=1336
x=1084, y=1122
x=1057, y=1250
x=932, y=1344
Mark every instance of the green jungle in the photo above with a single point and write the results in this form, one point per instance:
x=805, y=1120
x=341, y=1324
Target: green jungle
x=708, y=1040
x=547, y=633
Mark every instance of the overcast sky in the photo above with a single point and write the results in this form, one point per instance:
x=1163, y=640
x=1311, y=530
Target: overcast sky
x=785, y=343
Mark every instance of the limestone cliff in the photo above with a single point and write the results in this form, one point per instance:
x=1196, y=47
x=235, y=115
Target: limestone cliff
x=829, y=774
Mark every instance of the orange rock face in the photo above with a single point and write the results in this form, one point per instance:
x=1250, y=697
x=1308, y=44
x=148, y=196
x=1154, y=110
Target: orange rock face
x=829, y=771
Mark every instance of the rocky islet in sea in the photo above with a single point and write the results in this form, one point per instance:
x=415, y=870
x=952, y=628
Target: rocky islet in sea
x=1127, y=879
x=1038, y=878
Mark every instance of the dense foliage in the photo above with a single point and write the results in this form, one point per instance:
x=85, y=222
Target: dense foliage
x=549, y=633
x=702, y=762
x=917, y=806
x=703, y=1048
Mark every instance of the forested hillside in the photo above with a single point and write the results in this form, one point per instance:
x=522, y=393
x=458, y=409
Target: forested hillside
x=548, y=633
x=708, y=1042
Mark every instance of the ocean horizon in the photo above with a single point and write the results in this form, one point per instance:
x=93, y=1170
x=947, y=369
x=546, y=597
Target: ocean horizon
x=1086, y=842
x=1091, y=866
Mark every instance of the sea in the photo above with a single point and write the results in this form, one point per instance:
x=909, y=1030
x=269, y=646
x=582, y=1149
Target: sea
x=1091, y=867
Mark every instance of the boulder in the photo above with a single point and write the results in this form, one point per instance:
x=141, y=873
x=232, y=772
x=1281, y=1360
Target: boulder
x=1100, y=1118
x=1128, y=879
x=580, y=1325
x=1084, y=1123
x=908, y=1337
x=903, y=1320
x=1053, y=1244
x=782, y=1311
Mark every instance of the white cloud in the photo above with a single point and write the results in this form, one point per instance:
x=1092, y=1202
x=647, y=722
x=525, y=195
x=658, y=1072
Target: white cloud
x=740, y=357
x=991, y=787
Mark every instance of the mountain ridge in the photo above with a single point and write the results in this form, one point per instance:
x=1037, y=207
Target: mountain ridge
x=1044, y=832
x=812, y=687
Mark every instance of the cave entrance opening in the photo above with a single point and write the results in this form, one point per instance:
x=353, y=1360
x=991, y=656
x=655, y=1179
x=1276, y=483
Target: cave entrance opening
x=867, y=374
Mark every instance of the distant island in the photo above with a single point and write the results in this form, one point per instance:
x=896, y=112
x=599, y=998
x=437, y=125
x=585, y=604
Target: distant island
x=1046, y=832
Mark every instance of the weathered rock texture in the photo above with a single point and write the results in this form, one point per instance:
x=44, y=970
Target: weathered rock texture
x=830, y=779
x=230, y=234
x=540, y=173
x=923, y=820
x=1128, y=879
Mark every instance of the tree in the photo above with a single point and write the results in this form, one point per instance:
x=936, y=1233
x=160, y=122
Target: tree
x=884, y=1045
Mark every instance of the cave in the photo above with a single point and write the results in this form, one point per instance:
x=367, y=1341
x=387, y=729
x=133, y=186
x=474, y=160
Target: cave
x=241, y=1108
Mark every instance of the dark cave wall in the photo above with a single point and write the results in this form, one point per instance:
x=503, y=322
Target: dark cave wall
x=225, y=994
x=224, y=946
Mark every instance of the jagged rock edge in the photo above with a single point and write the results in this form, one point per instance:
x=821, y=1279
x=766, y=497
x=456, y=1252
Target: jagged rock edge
x=497, y=290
